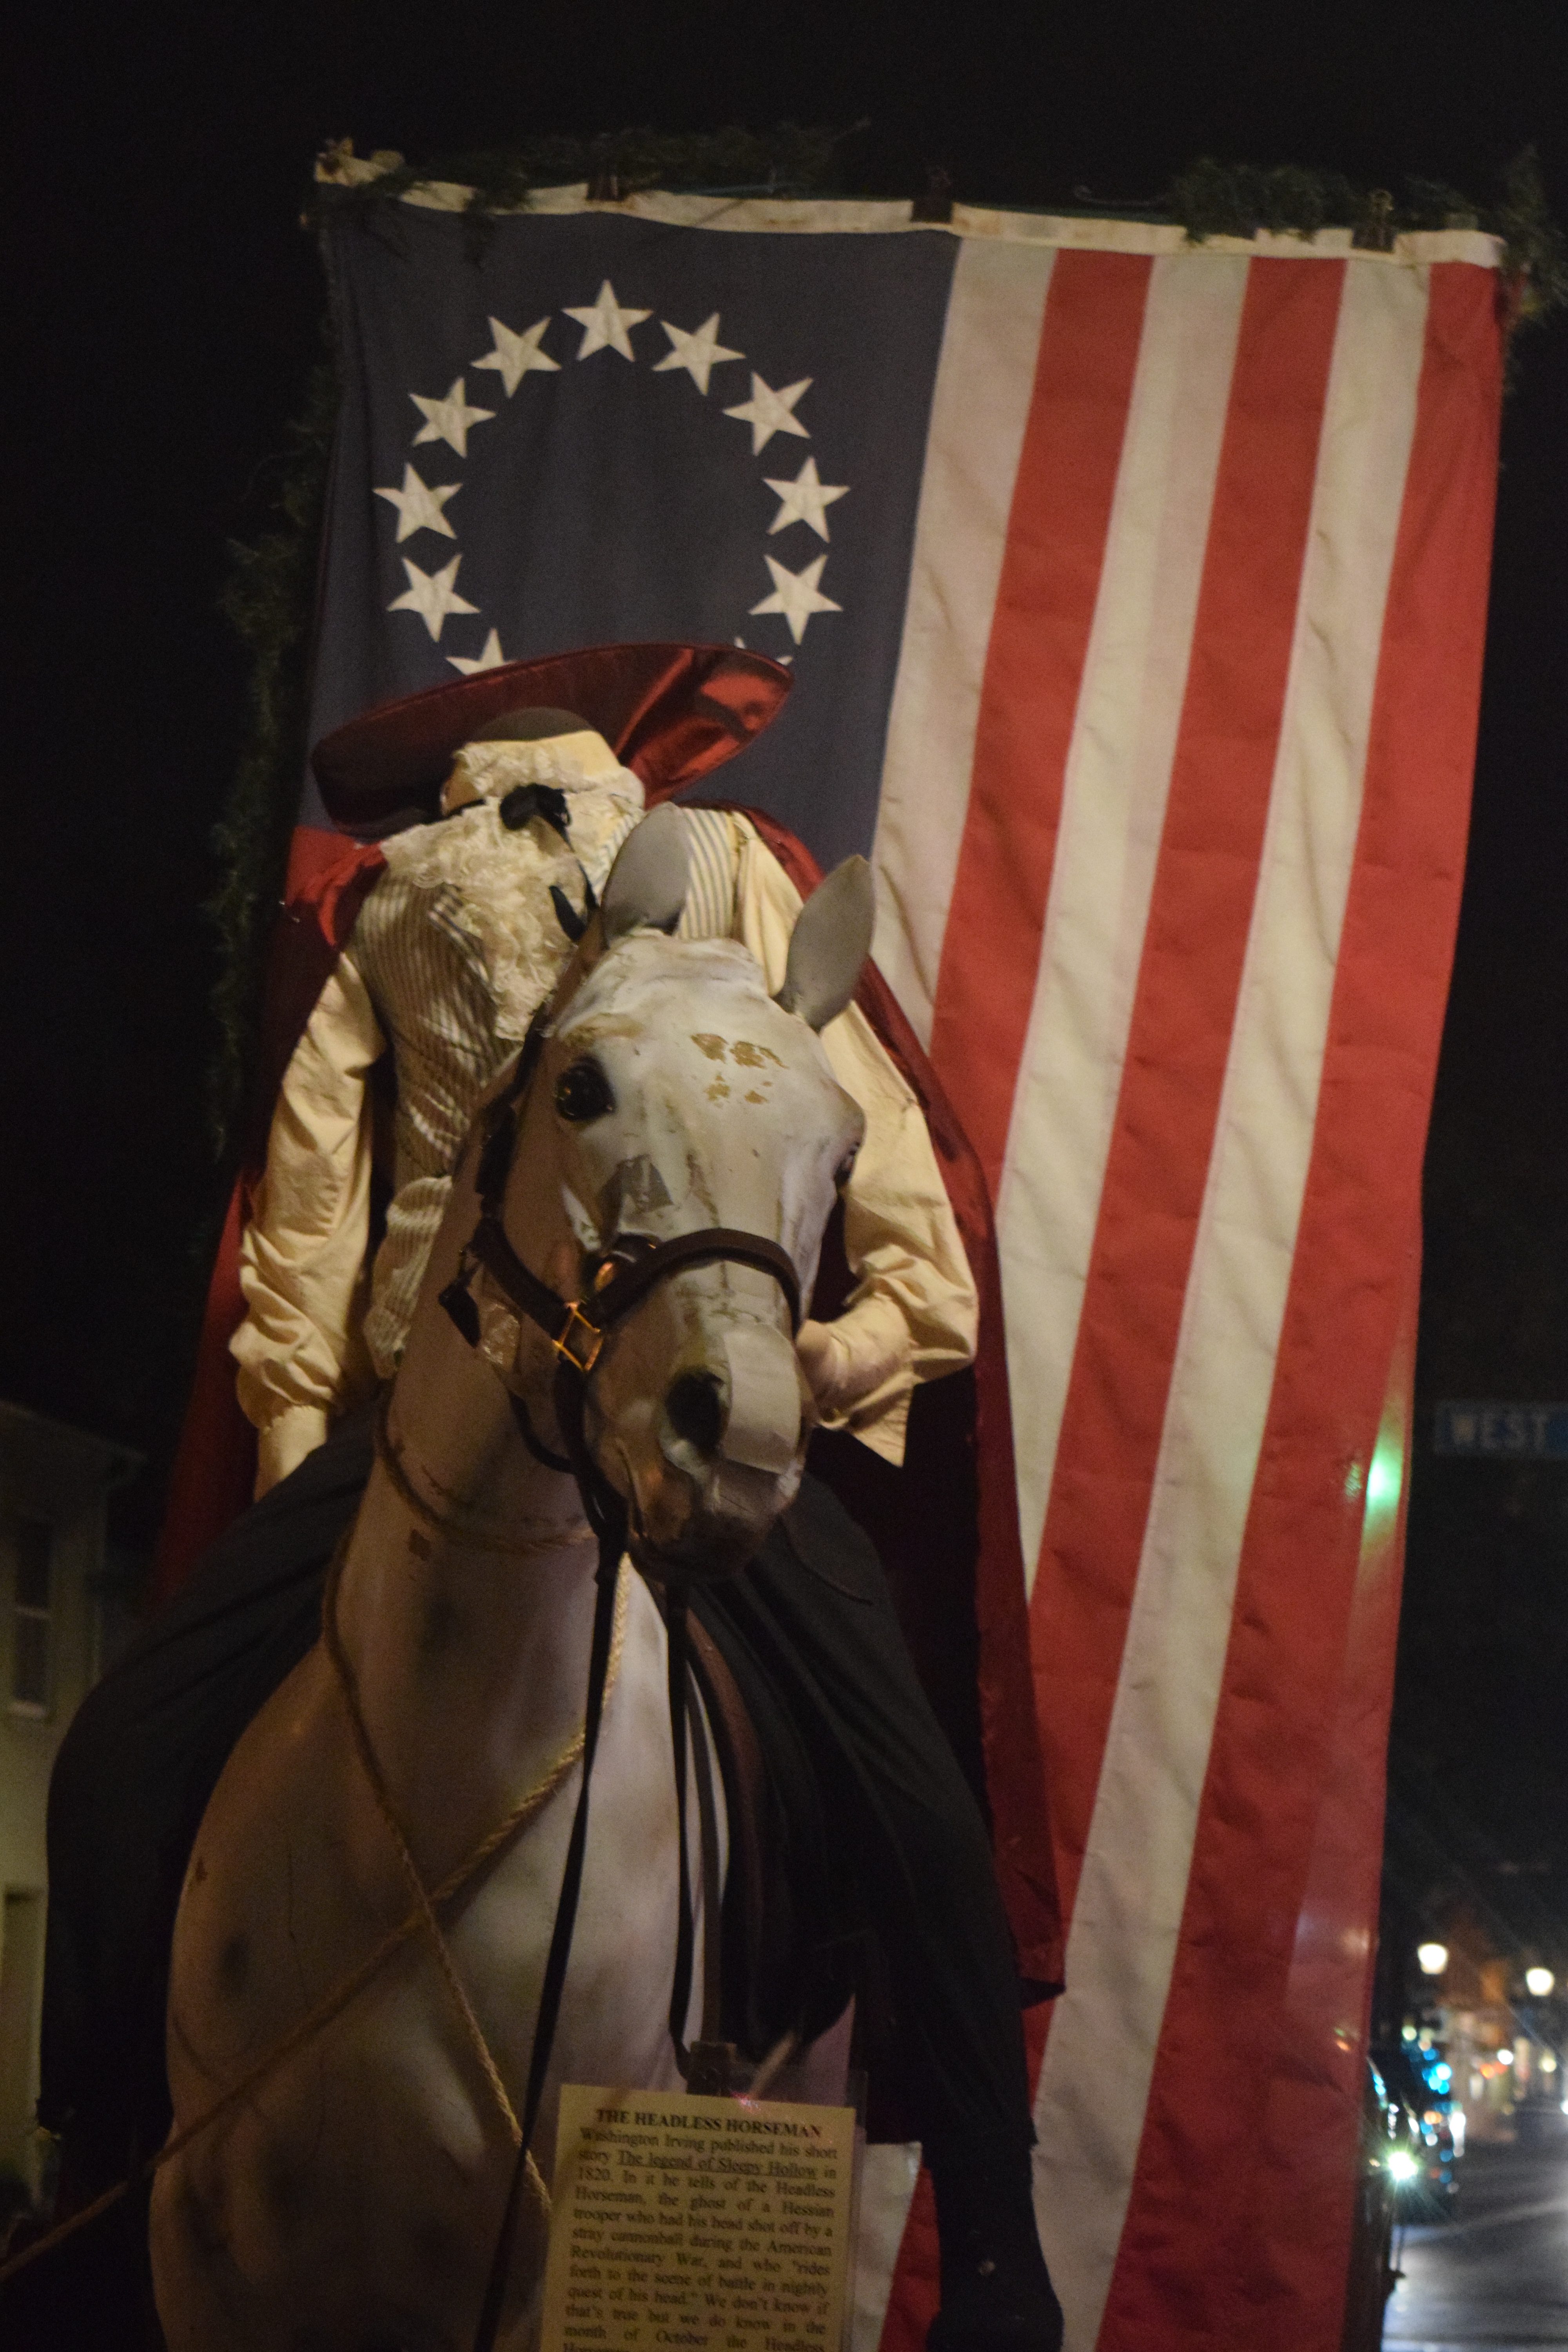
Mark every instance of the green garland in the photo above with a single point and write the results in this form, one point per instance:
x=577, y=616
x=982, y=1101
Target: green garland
x=269, y=597
x=270, y=602
x=788, y=161
x=1211, y=199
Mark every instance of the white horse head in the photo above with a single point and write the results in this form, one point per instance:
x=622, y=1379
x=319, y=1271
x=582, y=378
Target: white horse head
x=673, y=1094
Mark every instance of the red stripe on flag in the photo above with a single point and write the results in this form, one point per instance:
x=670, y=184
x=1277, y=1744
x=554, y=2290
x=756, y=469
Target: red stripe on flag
x=1308, y=2156
x=1239, y=2221
x=1181, y=1020
x=1039, y=636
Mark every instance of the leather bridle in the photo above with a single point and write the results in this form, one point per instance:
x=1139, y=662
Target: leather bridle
x=625, y=1272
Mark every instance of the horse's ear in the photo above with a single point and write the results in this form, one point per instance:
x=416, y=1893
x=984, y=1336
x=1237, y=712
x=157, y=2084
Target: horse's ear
x=831, y=941
x=646, y=889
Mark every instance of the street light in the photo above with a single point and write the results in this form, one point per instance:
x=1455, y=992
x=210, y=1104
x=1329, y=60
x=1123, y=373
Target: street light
x=1539, y=1982
x=1432, y=1958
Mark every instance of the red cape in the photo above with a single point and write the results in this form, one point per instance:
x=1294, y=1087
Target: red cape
x=947, y=1524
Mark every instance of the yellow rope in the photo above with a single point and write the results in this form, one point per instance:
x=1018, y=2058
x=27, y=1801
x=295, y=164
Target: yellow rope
x=348, y=1988
x=374, y=1774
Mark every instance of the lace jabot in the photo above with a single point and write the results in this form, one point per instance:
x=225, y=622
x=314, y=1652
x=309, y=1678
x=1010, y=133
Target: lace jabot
x=497, y=883
x=574, y=764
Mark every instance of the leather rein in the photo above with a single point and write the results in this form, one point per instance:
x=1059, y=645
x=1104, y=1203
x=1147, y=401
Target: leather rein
x=620, y=1279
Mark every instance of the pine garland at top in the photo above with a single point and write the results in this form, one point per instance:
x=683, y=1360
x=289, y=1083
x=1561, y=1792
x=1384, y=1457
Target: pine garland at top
x=788, y=161
x=1211, y=199
x=272, y=580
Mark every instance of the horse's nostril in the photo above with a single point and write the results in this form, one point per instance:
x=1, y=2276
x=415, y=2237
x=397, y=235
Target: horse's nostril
x=696, y=1411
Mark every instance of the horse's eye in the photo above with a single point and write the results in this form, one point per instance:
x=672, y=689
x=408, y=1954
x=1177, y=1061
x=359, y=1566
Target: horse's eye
x=582, y=1093
x=844, y=1169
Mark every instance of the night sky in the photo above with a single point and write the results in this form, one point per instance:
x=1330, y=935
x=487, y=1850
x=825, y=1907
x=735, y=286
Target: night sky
x=165, y=309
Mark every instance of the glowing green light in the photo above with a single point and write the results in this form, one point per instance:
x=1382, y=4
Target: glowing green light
x=1384, y=1478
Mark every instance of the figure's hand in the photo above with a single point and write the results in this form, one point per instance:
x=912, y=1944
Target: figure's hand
x=846, y=1359
x=824, y=1358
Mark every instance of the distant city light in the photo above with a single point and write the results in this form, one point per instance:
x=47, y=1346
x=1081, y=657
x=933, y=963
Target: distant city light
x=1549, y=2061
x=1432, y=1958
x=1403, y=2164
x=1505, y=2057
x=1539, y=1982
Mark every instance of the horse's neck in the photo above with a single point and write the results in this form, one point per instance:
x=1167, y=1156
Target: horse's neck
x=465, y=1598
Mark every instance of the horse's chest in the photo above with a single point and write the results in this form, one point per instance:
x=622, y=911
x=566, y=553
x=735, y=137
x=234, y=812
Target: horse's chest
x=256, y=1950
x=300, y=2188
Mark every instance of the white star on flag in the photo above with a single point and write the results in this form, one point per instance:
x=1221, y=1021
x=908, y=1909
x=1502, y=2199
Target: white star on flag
x=514, y=354
x=605, y=324
x=492, y=657
x=432, y=594
x=795, y=595
x=448, y=420
x=768, y=411
x=419, y=505
x=805, y=500
x=698, y=353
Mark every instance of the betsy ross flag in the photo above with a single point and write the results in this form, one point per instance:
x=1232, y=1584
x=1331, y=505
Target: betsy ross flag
x=1134, y=592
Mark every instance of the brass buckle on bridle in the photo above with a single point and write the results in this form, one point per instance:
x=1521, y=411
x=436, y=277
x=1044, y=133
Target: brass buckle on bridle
x=563, y=1340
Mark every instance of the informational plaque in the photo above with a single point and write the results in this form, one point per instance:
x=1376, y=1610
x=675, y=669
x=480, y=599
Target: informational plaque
x=684, y=2224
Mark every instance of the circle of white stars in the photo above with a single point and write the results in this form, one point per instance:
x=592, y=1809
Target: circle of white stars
x=607, y=325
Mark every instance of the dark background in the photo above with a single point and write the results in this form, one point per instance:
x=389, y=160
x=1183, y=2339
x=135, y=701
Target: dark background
x=164, y=308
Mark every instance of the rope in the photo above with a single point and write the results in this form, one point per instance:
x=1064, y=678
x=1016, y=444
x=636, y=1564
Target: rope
x=348, y=1988
x=370, y=1765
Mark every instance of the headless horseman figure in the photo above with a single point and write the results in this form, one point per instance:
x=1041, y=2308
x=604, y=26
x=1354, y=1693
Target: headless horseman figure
x=457, y=942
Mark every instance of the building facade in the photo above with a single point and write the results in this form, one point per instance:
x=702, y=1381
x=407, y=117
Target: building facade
x=55, y=1617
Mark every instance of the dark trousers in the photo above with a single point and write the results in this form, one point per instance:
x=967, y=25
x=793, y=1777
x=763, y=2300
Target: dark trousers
x=868, y=1787
x=810, y=1633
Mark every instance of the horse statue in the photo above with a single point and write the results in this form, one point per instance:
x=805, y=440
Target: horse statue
x=350, y=2198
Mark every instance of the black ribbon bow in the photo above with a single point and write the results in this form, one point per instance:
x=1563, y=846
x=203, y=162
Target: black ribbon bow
x=526, y=800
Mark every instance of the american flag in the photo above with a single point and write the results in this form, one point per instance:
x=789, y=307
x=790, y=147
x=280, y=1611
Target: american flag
x=1135, y=592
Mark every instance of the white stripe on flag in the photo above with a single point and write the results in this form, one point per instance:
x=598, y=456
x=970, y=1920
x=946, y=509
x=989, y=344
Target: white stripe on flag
x=980, y=409
x=1100, y=2058
x=888, y=2171
x=1113, y=806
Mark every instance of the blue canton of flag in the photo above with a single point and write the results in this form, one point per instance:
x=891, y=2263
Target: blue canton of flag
x=605, y=429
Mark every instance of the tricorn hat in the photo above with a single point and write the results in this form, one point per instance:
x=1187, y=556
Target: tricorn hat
x=670, y=712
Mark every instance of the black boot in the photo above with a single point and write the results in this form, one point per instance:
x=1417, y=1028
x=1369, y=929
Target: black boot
x=996, y=2292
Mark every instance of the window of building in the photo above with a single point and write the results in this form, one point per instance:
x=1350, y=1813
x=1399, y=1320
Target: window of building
x=32, y=1615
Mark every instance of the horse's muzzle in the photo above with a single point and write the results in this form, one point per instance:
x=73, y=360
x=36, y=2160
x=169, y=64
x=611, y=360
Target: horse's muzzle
x=726, y=1456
